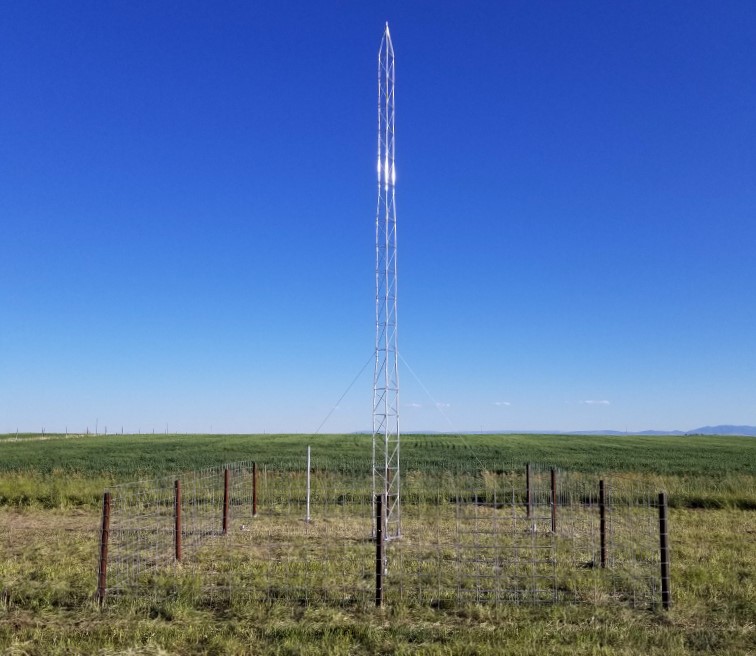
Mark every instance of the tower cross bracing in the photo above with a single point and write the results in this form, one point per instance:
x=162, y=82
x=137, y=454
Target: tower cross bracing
x=386, y=469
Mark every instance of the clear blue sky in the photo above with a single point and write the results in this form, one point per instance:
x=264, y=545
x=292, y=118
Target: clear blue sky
x=187, y=208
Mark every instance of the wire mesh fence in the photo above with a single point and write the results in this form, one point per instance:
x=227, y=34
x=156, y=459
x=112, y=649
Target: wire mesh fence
x=277, y=532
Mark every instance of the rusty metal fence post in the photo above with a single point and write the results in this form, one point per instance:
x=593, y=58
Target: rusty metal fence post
x=602, y=522
x=102, y=570
x=177, y=519
x=553, y=501
x=664, y=551
x=254, y=489
x=379, y=546
x=226, y=476
x=528, y=498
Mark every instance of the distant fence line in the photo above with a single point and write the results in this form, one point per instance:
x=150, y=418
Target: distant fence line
x=511, y=534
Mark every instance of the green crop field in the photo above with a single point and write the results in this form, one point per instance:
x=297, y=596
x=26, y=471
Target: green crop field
x=51, y=487
x=59, y=471
x=129, y=456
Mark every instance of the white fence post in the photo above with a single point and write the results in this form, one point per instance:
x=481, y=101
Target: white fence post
x=307, y=517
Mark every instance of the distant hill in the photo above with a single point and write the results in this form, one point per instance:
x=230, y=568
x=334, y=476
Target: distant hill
x=614, y=432
x=704, y=430
x=725, y=430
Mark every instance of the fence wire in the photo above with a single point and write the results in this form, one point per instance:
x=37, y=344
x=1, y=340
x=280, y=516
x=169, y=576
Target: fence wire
x=510, y=535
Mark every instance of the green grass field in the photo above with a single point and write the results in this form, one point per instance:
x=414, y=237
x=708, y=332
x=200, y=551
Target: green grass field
x=50, y=490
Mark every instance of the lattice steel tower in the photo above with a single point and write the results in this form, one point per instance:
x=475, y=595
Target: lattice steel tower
x=386, y=470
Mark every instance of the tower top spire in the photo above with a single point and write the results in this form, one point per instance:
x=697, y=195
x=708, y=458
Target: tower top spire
x=386, y=45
